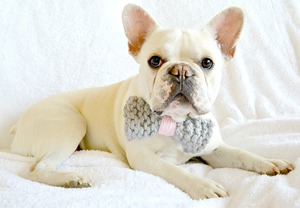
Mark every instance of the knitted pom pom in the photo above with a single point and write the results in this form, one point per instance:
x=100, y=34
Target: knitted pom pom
x=142, y=123
x=194, y=134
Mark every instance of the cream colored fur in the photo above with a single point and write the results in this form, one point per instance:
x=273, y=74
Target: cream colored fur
x=92, y=118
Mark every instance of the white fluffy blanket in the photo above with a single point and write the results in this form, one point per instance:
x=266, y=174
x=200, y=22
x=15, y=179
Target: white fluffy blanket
x=47, y=47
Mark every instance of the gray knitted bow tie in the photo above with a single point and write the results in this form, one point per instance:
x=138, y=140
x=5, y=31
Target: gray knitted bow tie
x=142, y=123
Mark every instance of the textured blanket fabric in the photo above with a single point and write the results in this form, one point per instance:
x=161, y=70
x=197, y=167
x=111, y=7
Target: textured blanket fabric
x=48, y=47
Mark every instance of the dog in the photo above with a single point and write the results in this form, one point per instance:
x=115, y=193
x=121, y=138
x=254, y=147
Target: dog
x=153, y=121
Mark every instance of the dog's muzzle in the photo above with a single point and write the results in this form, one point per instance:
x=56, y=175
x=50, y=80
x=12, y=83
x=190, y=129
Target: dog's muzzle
x=182, y=77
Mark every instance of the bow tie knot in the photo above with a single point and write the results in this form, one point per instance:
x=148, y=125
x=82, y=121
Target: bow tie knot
x=142, y=123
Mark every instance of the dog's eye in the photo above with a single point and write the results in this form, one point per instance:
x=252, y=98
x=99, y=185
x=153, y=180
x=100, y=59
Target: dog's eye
x=155, y=61
x=207, y=64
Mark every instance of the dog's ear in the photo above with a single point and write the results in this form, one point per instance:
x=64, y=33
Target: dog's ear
x=137, y=25
x=226, y=27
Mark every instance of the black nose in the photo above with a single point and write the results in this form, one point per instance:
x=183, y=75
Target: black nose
x=181, y=71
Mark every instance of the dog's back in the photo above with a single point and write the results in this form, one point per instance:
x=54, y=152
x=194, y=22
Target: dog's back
x=52, y=129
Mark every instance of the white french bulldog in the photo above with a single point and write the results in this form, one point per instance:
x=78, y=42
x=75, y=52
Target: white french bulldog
x=179, y=79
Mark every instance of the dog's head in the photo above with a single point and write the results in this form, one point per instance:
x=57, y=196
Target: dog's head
x=180, y=69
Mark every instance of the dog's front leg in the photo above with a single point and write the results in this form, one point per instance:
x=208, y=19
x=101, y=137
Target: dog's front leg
x=144, y=159
x=226, y=156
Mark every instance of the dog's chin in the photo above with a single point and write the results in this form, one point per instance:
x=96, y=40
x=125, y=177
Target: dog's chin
x=180, y=108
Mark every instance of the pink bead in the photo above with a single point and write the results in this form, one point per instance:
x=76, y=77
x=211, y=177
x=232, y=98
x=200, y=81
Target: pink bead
x=167, y=126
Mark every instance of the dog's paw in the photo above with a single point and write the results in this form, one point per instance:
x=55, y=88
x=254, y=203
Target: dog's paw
x=206, y=188
x=76, y=181
x=274, y=166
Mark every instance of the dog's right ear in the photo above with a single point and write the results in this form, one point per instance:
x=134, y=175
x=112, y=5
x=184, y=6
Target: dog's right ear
x=226, y=27
x=137, y=25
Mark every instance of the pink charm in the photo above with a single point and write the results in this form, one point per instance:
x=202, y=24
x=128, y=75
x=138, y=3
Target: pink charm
x=167, y=126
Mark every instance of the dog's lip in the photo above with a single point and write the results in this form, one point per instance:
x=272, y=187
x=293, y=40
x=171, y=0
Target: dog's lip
x=178, y=99
x=183, y=101
x=158, y=112
x=178, y=96
x=188, y=101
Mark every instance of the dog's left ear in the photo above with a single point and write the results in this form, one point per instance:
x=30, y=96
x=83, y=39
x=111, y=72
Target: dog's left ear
x=226, y=27
x=137, y=25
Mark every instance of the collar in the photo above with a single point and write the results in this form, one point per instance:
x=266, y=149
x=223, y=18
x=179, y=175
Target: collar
x=142, y=123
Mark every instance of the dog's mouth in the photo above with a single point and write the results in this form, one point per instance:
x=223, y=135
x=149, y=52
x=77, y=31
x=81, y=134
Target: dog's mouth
x=182, y=99
x=179, y=104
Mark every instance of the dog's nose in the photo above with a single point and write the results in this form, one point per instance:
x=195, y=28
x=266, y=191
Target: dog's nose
x=181, y=71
